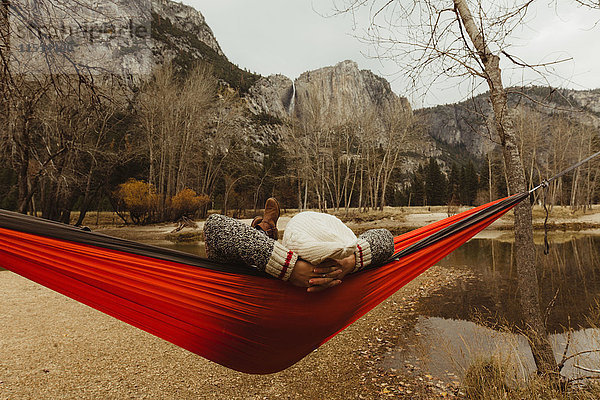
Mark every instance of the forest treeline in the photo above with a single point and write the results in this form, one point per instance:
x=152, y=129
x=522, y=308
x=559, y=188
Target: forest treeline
x=179, y=144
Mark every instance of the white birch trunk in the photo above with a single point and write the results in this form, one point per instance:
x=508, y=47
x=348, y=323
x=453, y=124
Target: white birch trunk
x=524, y=246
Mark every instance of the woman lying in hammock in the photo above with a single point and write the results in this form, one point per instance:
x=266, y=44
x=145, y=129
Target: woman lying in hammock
x=317, y=250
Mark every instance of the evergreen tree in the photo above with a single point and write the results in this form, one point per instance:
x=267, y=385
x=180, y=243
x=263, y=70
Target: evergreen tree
x=498, y=179
x=468, y=184
x=435, y=184
x=453, y=190
x=484, y=176
x=417, y=187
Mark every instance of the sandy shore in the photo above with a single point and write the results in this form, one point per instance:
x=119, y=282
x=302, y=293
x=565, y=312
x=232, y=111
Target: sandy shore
x=396, y=219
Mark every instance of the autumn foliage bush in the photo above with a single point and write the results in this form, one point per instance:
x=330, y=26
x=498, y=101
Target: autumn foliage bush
x=186, y=203
x=140, y=200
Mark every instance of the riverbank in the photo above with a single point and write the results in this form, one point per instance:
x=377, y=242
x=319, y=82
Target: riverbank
x=397, y=219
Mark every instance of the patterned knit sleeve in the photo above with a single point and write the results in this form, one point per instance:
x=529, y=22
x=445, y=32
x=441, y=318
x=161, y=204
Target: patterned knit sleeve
x=231, y=241
x=374, y=246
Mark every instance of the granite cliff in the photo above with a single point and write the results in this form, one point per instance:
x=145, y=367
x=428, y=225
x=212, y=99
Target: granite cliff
x=343, y=90
x=185, y=19
x=180, y=34
x=468, y=124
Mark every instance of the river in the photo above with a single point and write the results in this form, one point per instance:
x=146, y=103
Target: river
x=478, y=316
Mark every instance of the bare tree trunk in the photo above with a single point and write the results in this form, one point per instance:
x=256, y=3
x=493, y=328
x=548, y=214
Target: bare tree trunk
x=5, y=49
x=387, y=174
x=23, y=183
x=506, y=176
x=86, y=198
x=574, y=188
x=305, y=194
x=594, y=185
x=349, y=197
x=490, y=177
x=360, y=191
x=575, y=201
x=588, y=181
x=299, y=196
x=535, y=329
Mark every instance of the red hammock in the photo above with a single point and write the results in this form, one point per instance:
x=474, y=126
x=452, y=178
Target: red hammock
x=227, y=314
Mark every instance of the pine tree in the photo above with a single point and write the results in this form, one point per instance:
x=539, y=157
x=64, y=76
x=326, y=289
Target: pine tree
x=417, y=187
x=468, y=184
x=453, y=185
x=484, y=177
x=498, y=178
x=471, y=183
x=435, y=184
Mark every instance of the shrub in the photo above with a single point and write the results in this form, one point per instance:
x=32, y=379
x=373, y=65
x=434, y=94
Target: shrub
x=139, y=199
x=186, y=203
x=144, y=205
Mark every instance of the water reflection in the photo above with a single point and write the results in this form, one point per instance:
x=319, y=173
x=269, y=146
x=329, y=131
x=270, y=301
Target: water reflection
x=571, y=272
x=447, y=347
x=477, y=317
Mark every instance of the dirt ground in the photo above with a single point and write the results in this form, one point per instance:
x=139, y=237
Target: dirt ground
x=52, y=347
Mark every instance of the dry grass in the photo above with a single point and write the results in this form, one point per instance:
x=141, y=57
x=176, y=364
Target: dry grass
x=186, y=237
x=354, y=215
x=102, y=218
x=490, y=379
x=486, y=379
x=562, y=212
x=560, y=217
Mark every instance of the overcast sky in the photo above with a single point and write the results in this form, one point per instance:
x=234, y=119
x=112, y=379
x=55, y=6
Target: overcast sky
x=289, y=37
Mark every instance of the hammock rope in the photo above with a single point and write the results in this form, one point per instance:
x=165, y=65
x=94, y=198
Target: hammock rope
x=231, y=314
x=546, y=183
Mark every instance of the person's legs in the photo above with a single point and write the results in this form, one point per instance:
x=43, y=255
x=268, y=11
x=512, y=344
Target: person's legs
x=231, y=241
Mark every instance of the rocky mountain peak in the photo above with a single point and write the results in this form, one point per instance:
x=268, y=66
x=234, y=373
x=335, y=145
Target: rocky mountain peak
x=272, y=95
x=587, y=99
x=187, y=19
x=341, y=91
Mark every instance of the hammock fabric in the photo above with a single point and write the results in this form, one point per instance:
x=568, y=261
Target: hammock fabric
x=230, y=314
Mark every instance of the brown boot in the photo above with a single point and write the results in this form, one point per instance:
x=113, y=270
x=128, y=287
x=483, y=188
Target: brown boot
x=269, y=219
x=257, y=220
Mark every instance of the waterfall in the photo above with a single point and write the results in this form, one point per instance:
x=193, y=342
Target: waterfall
x=293, y=99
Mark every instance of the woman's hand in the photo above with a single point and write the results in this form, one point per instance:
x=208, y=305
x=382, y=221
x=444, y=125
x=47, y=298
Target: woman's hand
x=315, y=278
x=347, y=265
x=331, y=269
